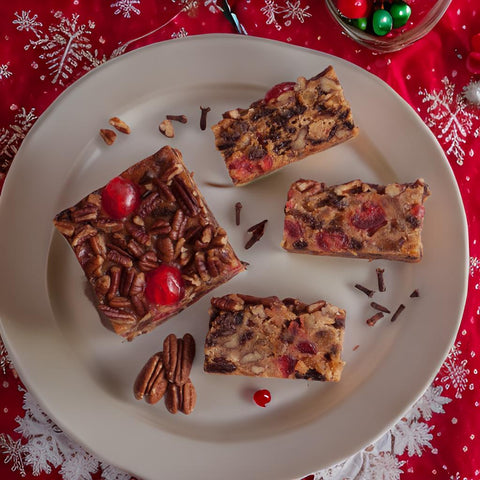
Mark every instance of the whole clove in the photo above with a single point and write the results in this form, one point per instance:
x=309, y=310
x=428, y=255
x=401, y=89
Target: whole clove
x=203, y=117
x=257, y=232
x=381, y=280
x=397, y=312
x=415, y=293
x=177, y=118
x=238, y=208
x=365, y=290
x=379, y=307
x=374, y=319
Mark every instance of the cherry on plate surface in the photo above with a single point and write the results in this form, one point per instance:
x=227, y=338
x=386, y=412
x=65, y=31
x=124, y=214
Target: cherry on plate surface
x=262, y=397
x=120, y=197
x=164, y=285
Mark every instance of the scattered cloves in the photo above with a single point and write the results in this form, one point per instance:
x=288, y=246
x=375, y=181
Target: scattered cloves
x=379, y=307
x=203, y=118
x=365, y=290
x=381, y=280
x=397, y=312
x=257, y=232
x=177, y=118
x=374, y=319
x=238, y=208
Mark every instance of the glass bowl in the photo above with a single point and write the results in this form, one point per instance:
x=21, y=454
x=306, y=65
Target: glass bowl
x=425, y=14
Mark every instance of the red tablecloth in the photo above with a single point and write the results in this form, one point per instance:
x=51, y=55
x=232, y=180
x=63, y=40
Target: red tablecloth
x=46, y=46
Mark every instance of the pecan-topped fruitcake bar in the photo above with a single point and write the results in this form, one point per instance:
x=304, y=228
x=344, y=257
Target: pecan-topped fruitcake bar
x=292, y=121
x=269, y=337
x=356, y=219
x=148, y=243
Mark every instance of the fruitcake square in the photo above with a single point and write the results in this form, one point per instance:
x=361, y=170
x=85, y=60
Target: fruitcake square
x=356, y=219
x=148, y=244
x=269, y=337
x=292, y=121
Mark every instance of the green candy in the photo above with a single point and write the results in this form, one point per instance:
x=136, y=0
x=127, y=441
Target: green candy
x=400, y=13
x=360, y=23
x=382, y=22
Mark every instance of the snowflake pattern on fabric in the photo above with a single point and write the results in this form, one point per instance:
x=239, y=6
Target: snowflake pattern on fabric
x=63, y=46
x=47, y=448
x=13, y=451
x=4, y=71
x=454, y=373
x=126, y=7
x=288, y=11
x=450, y=118
x=411, y=436
x=12, y=136
x=474, y=265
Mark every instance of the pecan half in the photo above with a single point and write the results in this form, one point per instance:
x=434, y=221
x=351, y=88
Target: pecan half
x=180, y=398
x=108, y=135
x=151, y=383
x=120, y=125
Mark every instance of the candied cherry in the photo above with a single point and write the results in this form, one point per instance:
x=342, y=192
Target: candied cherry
x=164, y=285
x=278, y=89
x=354, y=8
x=370, y=216
x=332, y=240
x=120, y=197
x=262, y=397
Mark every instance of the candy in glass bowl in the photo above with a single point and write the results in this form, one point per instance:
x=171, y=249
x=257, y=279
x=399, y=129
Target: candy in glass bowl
x=387, y=26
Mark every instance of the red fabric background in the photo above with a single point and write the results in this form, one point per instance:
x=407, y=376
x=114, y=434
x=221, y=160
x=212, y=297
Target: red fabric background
x=434, y=67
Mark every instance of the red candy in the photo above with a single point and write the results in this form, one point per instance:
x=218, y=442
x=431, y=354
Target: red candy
x=164, y=285
x=120, y=197
x=262, y=397
x=354, y=8
x=277, y=90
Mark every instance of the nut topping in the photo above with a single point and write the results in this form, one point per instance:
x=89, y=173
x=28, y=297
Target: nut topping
x=120, y=125
x=166, y=128
x=108, y=136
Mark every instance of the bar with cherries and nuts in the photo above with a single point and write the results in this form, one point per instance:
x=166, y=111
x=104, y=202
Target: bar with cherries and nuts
x=148, y=244
x=293, y=120
x=269, y=337
x=356, y=219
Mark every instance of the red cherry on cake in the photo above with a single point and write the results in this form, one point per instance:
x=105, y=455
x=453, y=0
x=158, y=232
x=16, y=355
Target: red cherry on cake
x=354, y=8
x=120, y=198
x=262, y=397
x=278, y=89
x=164, y=285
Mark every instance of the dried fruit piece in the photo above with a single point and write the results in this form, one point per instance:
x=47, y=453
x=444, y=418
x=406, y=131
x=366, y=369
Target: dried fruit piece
x=166, y=128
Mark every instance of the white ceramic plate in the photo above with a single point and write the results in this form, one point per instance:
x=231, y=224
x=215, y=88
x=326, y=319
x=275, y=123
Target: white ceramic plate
x=83, y=374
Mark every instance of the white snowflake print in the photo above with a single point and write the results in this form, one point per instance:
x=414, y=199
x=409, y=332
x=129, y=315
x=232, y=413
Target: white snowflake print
x=450, y=118
x=4, y=71
x=27, y=23
x=411, y=435
x=455, y=374
x=212, y=6
x=290, y=10
x=44, y=446
x=13, y=451
x=12, y=136
x=474, y=265
x=431, y=402
x=180, y=34
x=294, y=10
x=5, y=361
x=64, y=46
x=126, y=7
